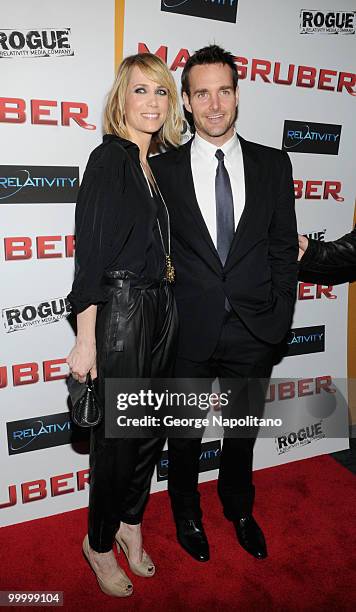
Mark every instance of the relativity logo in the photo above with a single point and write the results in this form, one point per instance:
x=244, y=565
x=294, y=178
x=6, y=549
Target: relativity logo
x=41, y=432
x=220, y=10
x=305, y=340
x=209, y=459
x=21, y=317
x=302, y=137
x=38, y=184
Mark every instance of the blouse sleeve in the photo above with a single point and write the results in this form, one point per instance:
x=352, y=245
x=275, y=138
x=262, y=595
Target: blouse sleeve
x=95, y=218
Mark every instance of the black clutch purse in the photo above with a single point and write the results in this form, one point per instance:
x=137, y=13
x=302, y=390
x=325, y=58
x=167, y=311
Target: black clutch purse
x=86, y=408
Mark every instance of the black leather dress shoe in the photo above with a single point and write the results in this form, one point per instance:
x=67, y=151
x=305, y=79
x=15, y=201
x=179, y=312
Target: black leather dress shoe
x=251, y=537
x=191, y=536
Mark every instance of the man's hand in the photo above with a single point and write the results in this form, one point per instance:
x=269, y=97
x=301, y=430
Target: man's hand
x=303, y=245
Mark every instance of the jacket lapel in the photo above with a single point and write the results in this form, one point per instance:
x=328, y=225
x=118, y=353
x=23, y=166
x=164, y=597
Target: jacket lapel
x=192, y=203
x=246, y=219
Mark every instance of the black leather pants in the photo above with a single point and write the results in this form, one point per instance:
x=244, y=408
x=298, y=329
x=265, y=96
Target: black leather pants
x=136, y=337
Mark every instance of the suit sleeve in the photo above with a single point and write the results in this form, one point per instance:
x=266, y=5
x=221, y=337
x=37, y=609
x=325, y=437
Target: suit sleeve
x=283, y=238
x=95, y=217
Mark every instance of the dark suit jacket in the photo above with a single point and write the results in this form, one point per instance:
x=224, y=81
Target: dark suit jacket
x=260, y=274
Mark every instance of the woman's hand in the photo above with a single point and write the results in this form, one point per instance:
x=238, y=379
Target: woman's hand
x=303, y=245
x=81, y=360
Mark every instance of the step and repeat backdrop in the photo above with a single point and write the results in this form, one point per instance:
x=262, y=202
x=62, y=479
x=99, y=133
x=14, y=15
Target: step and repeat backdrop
x=297, y=92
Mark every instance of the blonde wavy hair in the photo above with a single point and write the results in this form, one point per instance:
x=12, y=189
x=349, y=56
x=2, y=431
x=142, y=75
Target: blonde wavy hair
x=156, y=70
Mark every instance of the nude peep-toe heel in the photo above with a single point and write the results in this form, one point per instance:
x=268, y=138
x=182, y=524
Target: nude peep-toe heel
x=146, y=568
x=118, y=585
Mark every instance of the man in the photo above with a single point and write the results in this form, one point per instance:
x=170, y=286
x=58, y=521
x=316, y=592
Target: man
x=231, y=204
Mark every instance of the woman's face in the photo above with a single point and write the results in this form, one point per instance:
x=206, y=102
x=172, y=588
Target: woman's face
x=146, y=104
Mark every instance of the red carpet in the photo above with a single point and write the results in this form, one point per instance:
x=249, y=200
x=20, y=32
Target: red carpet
x=307, y=511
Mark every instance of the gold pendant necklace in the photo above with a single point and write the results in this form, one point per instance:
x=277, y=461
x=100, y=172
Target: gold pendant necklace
x=169, y=267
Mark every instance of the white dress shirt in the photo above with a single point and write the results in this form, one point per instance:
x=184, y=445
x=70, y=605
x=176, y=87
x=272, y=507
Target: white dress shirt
x=204, y=164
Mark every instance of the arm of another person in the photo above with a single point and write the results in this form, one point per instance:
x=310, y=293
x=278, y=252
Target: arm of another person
x=328, y=262
x=283, y=237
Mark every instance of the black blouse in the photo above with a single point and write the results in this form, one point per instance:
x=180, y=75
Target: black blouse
x=116, y=222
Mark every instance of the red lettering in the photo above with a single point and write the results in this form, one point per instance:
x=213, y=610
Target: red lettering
x=306, y=76
x=304, y=290
x=312, y=189
x=323, y=383
x=271, y=393
x=333, y=188
x=25, y=374
x=303, y=387
x=324, y=78
x=83, y=478
x=327, y=291
x=58, y=484
x=69, y=112
x=69, y=245
x=277, y=71
x=3, y=377
x=12, y=498
x=37, y=110
x=261, y=68
x=180, y=60
x=17, y=248
x=241, y=69
x=32, y=491
x=286, y=390
x=12, y=106
x=50, y=368
x=161, y=51
x=347, y=80
x=298, y=189
x=44, y=247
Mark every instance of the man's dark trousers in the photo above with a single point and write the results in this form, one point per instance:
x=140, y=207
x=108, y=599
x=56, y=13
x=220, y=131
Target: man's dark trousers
x=238, y=355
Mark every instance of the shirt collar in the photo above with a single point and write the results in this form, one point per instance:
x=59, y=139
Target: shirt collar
x=206, y=149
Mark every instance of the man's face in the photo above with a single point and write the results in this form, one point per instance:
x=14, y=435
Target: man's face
x=212, y=102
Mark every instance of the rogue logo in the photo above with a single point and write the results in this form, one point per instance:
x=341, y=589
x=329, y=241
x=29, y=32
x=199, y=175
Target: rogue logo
x=13, y=110
x=305, y=340
x=220, y=10
x=331, y=22
x=32, y=315
x=300, y=137
x=209, y=459
x=38, y=184
x=43, y=42
x=295, y=439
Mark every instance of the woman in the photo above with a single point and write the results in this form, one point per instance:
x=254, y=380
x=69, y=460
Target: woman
x=328, y=263
x=126, y=317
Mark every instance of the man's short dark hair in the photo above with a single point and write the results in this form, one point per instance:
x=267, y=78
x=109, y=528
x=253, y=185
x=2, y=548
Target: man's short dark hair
x=213, y=54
